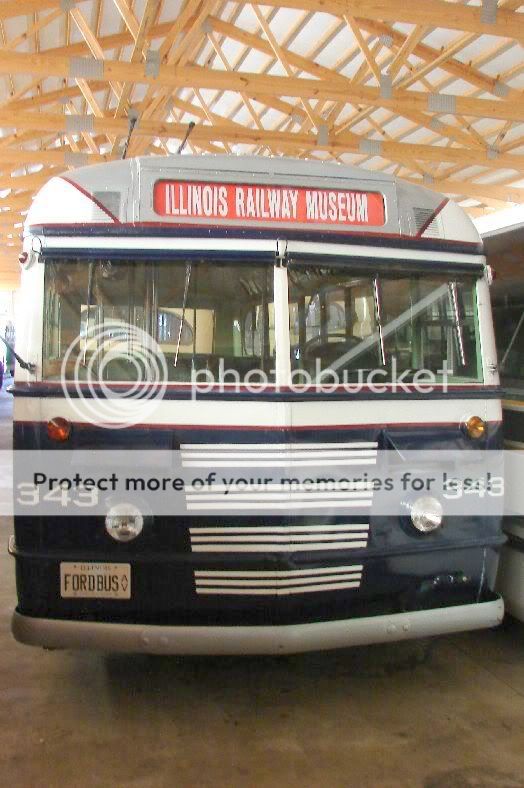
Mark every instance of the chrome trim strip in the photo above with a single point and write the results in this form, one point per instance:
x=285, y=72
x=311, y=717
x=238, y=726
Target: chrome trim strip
x=289, y=639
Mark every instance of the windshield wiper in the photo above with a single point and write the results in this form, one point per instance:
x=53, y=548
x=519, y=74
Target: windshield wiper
x=456, y=319
x=90, y=272
x=409, y=314
x=378, y=317
x=28, y=365
x=186, y=290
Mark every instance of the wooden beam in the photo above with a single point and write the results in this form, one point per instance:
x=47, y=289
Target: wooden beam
x=186, y=30
x=427, y=53
x=126, y=12
x=16, y=202
x=58, y=157
x=361, y=41
x=255, y=85
x=33, y=28
x=111, y=41
x=281, y=57
x=254, y=41
x=411, y=41
x=231, y=133
x=92, y=42
x=29, y=182
x=447, y=52
x=506, y=194
x=430, y=13
x=12, y=8
x=215, y=43
x=139, y=52
x=52, y=96
x=8, y=220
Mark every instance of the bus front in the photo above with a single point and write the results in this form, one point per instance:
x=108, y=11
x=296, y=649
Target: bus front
x=268, y=354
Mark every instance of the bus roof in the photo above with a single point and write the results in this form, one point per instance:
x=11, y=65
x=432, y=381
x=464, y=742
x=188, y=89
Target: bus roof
x=246, y=195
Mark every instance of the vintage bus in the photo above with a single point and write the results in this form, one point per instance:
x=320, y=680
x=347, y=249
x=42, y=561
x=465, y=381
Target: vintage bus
x=508, y=313
x=275, y=267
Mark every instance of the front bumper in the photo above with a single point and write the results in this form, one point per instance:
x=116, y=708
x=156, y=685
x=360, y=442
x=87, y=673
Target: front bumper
x=239, y=640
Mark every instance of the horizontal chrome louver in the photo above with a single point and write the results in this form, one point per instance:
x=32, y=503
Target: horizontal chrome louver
x=421, y=217
x=286, y=539
x=277, y=582
x=277, y=455
x=279, y=497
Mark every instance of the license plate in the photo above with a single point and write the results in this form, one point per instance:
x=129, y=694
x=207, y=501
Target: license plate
x=95, y=580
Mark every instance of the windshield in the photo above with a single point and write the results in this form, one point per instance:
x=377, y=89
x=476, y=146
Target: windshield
x=204, y=315
x=218, y=318
x=352, y=323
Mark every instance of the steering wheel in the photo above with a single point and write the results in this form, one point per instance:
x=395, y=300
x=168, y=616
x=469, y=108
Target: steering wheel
x=320, y=346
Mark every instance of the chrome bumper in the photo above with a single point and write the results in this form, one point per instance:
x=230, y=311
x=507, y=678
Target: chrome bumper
x=287, y=639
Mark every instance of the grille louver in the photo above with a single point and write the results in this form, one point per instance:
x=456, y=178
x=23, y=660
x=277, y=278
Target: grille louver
x=110, y=201
x=421, y=217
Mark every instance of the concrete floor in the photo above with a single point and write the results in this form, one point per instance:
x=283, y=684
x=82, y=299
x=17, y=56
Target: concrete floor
x=364, y=717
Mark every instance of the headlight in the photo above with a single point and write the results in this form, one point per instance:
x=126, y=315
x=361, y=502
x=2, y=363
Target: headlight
x=124, y=522
x=426, y=514
x=475, y=427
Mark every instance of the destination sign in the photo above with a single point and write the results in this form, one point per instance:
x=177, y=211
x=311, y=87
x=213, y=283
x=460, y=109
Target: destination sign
x=186, y=200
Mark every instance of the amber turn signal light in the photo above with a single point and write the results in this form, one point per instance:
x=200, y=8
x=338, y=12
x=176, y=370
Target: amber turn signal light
x=475, y=427
x=58, y=429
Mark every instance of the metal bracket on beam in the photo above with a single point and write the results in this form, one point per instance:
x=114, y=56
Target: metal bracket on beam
x=386, y=86
x=370, y=147
x=86, y=68
x=152, y=64
x=386, y=41
x=492, y=152
x=436, y=125
x=442, y=102
x=76, y=124
x=428, y=180
x=500, y=89
x=66, y=5
x=207, y=27
x=72, y=159
x=488, y=15
x=323, y=136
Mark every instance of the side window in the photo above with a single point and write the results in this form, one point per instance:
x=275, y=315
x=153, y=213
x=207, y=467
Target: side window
x=509, y=329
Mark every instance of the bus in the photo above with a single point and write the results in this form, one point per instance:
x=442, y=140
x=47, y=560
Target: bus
x=273, y=270
x=508, y=314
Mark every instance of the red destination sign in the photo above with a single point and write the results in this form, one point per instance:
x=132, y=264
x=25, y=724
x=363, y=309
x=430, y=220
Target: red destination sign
x=185, y=200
